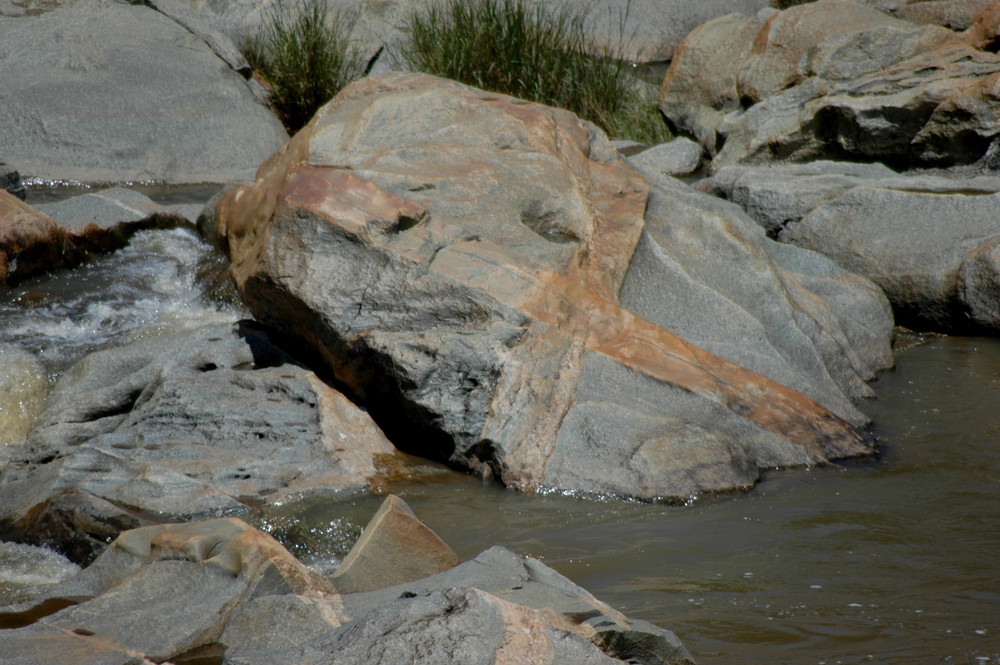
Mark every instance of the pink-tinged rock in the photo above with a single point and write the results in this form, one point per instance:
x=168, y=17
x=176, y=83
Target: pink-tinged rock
x=455, y=258
x=834, y=79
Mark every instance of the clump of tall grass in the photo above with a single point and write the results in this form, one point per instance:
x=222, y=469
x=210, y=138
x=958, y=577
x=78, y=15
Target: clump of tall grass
x=303, y=51
x=536, y=53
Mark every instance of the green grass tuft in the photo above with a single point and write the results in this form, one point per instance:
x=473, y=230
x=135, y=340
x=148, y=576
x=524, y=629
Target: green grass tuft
x=535, y=53
x=303, y=52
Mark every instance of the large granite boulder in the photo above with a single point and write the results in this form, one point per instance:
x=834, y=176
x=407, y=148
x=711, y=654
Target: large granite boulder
x=103, y=91
x=928, y=241
x=196, y=422
x=221, y=591
x=455, y=258
x=833, y=79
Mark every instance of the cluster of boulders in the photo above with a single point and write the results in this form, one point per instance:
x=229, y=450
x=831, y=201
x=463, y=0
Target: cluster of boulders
x=221, y=591
x=477, y=280
x=866, y=136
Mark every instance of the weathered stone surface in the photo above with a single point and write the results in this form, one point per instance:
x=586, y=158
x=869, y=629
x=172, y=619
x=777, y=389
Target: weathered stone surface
x=774, y=195
x=455, y=258
x=954, y=14
x=221, y=590
x=984, y=33
x=184, y=424
x=165, y=590
x=530, y=583
x=450, y=627
x=910, y=241
x=678, y=157
x=833, y=78
x=927, y=240
x=107, y=91
x=394, y=548
x=979, y=285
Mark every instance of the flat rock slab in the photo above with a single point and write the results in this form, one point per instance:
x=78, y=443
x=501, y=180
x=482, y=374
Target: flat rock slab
x=455, y=257
x=106, y=91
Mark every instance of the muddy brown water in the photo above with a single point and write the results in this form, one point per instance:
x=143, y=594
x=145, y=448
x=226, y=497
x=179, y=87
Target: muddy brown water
x=895, y=561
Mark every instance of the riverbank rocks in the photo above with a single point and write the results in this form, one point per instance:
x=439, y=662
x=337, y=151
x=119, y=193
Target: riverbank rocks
x=220, y=590
x=833, y=79
x=106, y=91
x=454, y=257
x=927, y=240
x=180, y=425
x=35, y=240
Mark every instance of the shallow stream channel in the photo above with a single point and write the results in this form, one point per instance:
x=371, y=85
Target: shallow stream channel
x=894, y=561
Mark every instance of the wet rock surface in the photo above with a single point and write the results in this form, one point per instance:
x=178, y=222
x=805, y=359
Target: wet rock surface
x=469, y=284
x=223, y=591
x=180, y=425
x=48, y=237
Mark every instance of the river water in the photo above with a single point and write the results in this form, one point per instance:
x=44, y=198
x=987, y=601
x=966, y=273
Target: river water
x=895, y=561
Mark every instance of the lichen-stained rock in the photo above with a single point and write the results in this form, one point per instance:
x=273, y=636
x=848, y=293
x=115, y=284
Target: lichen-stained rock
x=833, y=79
x=455, y=258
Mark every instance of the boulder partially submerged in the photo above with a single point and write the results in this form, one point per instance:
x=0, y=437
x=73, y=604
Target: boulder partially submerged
x=223, y=591
x=928, y=241
x=455, y=257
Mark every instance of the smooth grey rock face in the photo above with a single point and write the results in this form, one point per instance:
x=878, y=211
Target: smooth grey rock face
x=119, y=92
x=187, y=424
x=679, y=157
x=106, y=209
x=911, y=242
x=926, y=240
x=778, y=194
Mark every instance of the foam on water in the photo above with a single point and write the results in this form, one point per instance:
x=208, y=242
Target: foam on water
x=25, y=569
x=148, y=286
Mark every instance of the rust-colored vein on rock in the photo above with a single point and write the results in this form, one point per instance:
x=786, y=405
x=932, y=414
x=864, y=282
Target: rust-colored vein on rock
x=572, y=308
